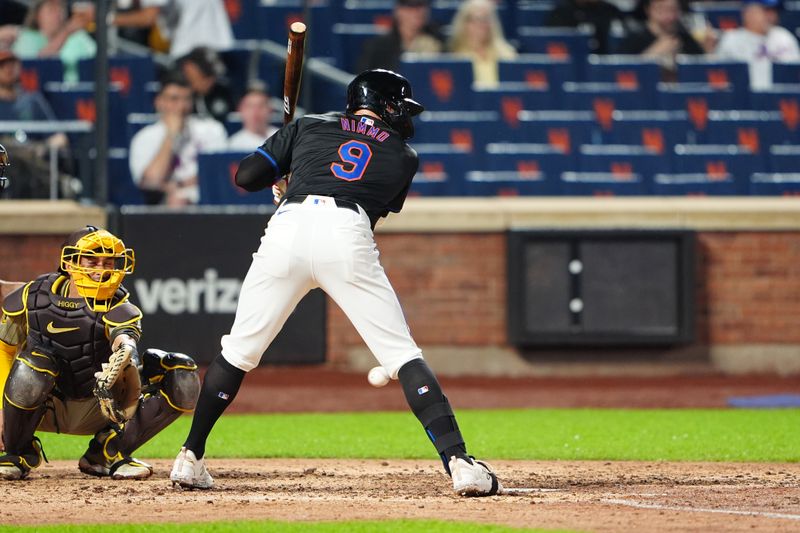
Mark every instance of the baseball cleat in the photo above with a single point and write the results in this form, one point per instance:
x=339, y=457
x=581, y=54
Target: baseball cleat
x=473, y=478
x=125, y=468
x=10, y=471
x=189, y=472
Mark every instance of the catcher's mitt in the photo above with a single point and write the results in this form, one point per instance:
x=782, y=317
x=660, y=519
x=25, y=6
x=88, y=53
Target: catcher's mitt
x=123, y=357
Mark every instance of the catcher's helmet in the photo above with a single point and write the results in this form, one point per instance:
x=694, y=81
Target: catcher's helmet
x=388, y=94
x=4, y=163
x=81, y=257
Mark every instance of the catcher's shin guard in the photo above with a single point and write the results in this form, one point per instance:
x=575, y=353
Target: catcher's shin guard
x=173, y=384
x=30, y=382
x=430, y=406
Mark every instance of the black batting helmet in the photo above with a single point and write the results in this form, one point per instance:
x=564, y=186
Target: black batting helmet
x=4, y=163
x=388, y=94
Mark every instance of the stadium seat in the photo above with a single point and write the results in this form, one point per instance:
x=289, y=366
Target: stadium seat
x=775, y=184
x=730, y=163
x=121, y=189
x=518, y=170
x=694, y=184
x=442, y=168
x=370, y=12
x=76, y=101
x=721, y=15
x=347, y=41
x=215, y=177
x=784, y=158
x=786, y=73
x=657, y=130
x=440, y=84
x=783, y=98
x=717, y=73
x=560, y=43
x=539, y=71
x=616, y=170
x=697, y=99
x=626, y=71
x=604, y=99
x=756, y=130
x=35, y=73
x=565, y=130
x=533, y=13
x=510, y=98
x=130, y=73
x=243, y=15
x=471, y=129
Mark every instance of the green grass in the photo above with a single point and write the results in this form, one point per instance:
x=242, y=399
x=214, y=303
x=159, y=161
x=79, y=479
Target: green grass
x=544, y=434
x=390, y=526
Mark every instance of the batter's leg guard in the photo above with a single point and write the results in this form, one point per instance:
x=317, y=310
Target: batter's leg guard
x=430, y=406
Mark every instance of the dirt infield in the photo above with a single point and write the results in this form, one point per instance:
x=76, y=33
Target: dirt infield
x=587, y=496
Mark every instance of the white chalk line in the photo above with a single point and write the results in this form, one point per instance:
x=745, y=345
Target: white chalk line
x=656, y=506
x=525, y=490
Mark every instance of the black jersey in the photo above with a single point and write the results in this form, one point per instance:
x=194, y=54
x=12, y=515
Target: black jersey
x=350, y=157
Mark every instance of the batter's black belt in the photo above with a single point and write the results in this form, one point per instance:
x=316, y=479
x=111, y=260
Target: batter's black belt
x=347, y=204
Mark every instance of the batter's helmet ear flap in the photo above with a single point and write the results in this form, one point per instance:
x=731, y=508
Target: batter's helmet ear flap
x=389, y=95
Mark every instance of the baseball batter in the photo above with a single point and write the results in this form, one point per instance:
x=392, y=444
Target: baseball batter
x=347, y=171
x=59, y=334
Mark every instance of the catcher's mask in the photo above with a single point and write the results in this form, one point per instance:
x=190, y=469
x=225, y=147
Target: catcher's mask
x=388, y=94
x=4, y=163
x=97, y=261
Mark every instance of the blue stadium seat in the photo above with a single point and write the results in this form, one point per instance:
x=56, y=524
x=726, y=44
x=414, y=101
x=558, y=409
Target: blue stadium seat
x=510, y=98
x=518, y=170
x=616, y=169
x=442, y=169
x=756, y=130
x=775, y=184
x=539, y=71
x=560, y=43
x=440, y=84
x=243, y=15
x=603, y=98
x=657, y=130
x=626, y=71
x=721, y=15
x=695, y=184
x=275, y=17
x=720, y=163
x=786, y=72
x=717, y=73
x=682, y=96
x=36, y=73
x=533, y=13
x=76, y=101
x=121, y=189
x=471, y=129
x=784, y=158
x=790, y=16
x=130, y=73
x=374, y=12
x=565, y=130
x=215, y=176
x=348, y=40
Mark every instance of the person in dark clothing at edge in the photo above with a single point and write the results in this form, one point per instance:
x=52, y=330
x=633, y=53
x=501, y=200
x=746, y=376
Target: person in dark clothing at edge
x=596, y=13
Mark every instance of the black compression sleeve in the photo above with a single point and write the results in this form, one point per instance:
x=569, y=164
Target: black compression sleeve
x=255, y=173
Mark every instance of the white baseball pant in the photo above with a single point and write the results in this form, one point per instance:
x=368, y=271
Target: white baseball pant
x=317, y=244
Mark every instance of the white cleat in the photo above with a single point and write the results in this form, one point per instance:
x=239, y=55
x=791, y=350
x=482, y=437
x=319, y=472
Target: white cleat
x=475, y=479
x=190, y=472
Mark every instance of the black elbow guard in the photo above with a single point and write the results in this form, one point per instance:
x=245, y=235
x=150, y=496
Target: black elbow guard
x=255, y=173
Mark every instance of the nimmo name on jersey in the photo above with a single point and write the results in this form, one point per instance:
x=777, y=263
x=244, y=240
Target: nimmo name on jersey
x=210, y=294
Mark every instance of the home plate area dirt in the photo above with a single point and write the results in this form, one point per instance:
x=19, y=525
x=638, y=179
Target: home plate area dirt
x=587, y=496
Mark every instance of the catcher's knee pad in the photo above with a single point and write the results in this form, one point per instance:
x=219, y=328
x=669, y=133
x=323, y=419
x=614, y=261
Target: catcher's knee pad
x=430, y=405
x=175, y=375
x=31, y=380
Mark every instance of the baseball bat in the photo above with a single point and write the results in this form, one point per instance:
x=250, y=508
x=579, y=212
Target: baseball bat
x=294, y=69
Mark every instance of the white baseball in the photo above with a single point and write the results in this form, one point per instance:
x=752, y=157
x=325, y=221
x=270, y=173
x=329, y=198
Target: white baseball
x=378, y=377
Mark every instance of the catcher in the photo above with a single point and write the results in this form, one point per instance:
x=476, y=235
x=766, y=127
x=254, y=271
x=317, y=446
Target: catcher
x=72, y=337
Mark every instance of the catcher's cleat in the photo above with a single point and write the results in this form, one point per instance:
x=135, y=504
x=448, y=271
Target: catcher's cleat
x=190, y=472
x=14, y=467
x=473, y=478
x=125, y=468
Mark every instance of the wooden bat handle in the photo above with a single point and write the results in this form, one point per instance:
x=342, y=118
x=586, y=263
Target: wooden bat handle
x=294, y=68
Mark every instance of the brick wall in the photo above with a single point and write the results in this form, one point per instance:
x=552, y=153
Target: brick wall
x=453, y=286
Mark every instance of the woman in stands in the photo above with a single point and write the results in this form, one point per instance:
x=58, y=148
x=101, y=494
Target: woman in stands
x=478, y=35
x=48, y=32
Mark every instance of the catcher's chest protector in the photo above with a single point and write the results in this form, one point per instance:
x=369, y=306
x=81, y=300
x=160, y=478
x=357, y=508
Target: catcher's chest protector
x=70, y=332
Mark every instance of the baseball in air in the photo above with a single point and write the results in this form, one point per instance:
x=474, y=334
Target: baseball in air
x=378, y=377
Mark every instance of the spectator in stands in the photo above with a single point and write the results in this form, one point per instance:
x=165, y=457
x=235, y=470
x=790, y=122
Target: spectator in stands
x=760, y=42
x=412, y=31
x=163, y=156
x=477, y=35
x=205, y=72
x=47, y=32
x=256, y=113
x=16, y=104
x=598, y=14
x=186, y=23
x=662, y=36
